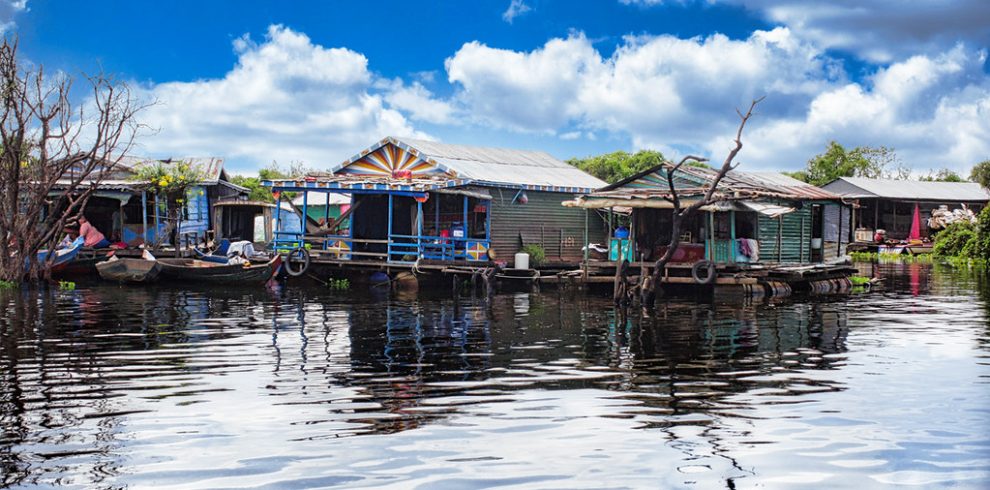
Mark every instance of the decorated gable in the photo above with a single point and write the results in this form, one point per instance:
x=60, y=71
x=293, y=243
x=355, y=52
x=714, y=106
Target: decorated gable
x=391, y=159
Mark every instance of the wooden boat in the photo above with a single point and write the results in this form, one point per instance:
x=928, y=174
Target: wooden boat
x=83, y=265
x=129, y=270
x=201, y=271
x=56, y=259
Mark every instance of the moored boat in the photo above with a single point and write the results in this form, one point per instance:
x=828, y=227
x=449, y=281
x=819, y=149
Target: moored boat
x=201, y=271
x=129, y=270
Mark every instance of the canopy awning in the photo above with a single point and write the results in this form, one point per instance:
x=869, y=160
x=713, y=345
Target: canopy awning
x=771, y=210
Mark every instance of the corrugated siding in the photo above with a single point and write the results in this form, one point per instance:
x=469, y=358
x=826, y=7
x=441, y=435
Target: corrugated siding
x=795, y=237
x=544, y=221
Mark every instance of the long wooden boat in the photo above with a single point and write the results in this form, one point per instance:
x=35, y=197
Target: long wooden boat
x=201, y=271
x=129, y=270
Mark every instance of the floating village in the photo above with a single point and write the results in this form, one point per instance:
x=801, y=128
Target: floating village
x=403, y=213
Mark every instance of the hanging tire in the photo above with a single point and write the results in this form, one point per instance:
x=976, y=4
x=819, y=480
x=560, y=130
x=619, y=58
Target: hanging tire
x=703, y=272
x=296, y=262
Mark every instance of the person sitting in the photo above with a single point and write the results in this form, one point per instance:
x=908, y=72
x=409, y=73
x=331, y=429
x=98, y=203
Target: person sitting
x=71, y=233
x=92, y=238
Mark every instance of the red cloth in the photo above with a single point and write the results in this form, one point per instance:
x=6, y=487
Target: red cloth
x=91, y=236
x=915, y=225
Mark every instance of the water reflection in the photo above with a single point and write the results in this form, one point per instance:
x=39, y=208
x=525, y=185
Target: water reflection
x=110, y=385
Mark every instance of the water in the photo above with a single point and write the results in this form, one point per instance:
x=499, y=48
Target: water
x=110, y=386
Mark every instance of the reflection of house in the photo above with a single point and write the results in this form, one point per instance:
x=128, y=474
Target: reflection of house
x=761, y=217
x=414, y=199
x=124, y=211
x=889, y=204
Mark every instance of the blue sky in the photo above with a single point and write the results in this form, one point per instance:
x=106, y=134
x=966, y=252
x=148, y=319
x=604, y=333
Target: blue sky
x=315, y=82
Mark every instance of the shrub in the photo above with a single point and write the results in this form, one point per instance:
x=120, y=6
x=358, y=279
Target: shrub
x=536, y=254
x=957, y=239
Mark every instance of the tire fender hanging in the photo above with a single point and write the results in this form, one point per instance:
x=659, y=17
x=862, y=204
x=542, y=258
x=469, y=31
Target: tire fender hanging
x=703, y=272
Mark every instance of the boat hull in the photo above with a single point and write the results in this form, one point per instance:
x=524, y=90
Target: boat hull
x=129, y=270
x=200, y=271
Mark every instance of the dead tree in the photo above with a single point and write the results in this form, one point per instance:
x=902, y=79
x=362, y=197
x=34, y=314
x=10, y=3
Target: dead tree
x=681, y=211
x=53, y=155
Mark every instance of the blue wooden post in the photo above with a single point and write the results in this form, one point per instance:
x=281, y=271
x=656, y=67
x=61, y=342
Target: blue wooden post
x=732, y=236
x=144, y=219
x=488, y=222
x=305, y=217
x=278, y=221
x=419, y=228
x=464, y=225
x=388, y=249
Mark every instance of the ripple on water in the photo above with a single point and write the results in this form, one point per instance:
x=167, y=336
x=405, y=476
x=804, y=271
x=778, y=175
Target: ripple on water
x=107, y=386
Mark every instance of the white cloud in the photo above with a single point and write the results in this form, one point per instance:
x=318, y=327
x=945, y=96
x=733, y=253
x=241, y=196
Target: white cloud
x=935, y=111
x=516, y=8
x=286, y=100
x=680, y=95
x=416, y=100
x=9, y=9
x=881, y=30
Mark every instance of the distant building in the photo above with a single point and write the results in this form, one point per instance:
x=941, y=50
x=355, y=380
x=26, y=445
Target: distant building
x=889, y=204
x=125, y=211
x=764, y=217
x=422, y=200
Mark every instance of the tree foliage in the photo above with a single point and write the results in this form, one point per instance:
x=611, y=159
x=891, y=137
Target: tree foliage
x=836, y=161
x=942, y=175
x=257, y=192
x=981, y=174
x=618, y=165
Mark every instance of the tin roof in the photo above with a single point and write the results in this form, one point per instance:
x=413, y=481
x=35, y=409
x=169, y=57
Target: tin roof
x=535, y=170
x=351, y=184
x=122, y=175
x=910, y=190
x=692, y=181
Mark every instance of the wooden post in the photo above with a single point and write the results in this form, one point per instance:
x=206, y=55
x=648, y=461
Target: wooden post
x=144, y=218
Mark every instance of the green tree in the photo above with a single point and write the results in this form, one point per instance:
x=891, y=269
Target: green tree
x=257, y=192
x=981, y=173
x=618, y=165
x=864, y=161
x=942, y=175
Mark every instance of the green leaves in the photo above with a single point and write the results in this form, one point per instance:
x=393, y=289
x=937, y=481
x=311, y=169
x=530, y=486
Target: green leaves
x=618, y=165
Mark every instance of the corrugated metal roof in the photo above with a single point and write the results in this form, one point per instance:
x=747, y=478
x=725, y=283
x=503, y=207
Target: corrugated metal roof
x=911, y=190
x=494, y=165
x=692, y=181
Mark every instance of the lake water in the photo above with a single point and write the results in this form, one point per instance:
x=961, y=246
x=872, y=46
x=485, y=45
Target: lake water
x=109, y=386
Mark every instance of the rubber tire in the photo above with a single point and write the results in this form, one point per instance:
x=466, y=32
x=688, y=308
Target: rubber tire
x=696, y=270
x=289, y=261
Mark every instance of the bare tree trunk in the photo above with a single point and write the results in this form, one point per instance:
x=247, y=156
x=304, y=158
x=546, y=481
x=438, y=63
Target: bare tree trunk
x=53, y=156
x=680, y=212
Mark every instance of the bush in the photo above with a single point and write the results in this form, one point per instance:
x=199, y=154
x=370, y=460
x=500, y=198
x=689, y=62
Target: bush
x=536, y=254
x=956, y=240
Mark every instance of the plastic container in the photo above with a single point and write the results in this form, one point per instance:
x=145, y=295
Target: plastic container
x=622, y=232
x=816, y=243
x=521, y=261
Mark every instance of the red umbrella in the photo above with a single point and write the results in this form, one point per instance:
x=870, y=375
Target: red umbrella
x=915, y=225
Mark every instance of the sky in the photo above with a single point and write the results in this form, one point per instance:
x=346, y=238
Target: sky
x=316, y=82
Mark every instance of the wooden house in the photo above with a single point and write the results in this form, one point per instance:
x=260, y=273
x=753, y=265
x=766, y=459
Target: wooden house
x=890, y=204
x=422, y=201
x=761, y=217
x=125, y=211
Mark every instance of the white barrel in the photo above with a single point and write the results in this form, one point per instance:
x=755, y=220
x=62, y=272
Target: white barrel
x=816, y=243
x=522, y=261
